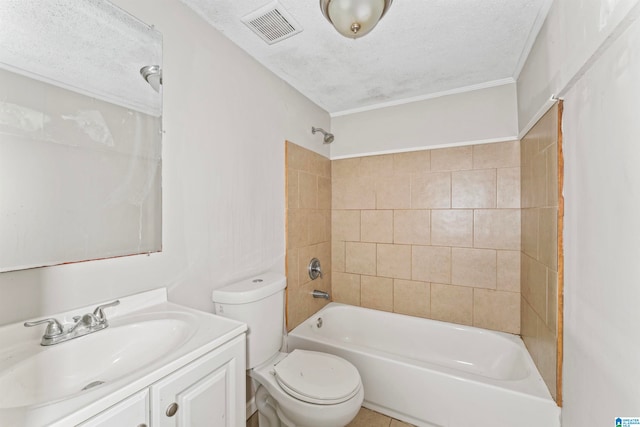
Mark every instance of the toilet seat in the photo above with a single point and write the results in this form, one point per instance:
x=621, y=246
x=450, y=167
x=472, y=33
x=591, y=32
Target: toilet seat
x=318, y=378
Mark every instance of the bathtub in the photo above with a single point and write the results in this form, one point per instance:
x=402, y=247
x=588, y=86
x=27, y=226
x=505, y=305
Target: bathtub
x=432, y=373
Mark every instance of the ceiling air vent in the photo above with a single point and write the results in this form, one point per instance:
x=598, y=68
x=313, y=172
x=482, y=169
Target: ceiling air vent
x=272, y=23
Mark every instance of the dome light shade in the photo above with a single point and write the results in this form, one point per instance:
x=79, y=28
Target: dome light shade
x=153, y=75
x=354, y=18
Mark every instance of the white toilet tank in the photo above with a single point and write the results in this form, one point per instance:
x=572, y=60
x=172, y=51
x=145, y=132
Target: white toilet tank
x=259, y=302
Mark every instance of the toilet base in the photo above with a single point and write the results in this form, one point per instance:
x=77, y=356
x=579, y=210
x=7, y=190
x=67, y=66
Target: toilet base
x=267, y=409
x=292, y=412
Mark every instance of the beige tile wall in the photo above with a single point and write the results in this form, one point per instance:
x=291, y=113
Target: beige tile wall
x=308, y=188
x=432, y=233
x=539, y=302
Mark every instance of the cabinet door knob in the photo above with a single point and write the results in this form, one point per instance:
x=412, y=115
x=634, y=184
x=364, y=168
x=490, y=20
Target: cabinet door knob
x=142, y=425
x=172, y=409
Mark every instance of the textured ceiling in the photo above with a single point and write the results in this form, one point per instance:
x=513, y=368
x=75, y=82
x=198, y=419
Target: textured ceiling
x=83, y=46
x=420, y=48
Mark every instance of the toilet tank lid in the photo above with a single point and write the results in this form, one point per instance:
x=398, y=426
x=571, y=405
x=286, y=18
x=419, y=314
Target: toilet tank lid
x=251, y=289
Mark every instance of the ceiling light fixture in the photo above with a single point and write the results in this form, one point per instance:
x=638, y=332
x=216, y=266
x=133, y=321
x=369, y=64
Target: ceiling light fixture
x=153, y=75
x=354, y=18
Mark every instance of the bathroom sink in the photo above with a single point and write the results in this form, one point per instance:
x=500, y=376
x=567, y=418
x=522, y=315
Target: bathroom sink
x=69, y=382
x=47, y=374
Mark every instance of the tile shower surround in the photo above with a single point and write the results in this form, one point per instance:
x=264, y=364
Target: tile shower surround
x=437, y=234
x=432, y=233
x=539, y=300
x=308, y=189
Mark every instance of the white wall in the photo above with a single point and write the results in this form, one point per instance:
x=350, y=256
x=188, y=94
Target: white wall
x=602, y=249
x=226, y=119
x=574, y=31
x=473, y=117
x=589, y=53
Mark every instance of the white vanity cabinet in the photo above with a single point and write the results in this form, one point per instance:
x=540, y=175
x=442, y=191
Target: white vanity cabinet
x=207, y=392
x=154, y=354
x=133, y=411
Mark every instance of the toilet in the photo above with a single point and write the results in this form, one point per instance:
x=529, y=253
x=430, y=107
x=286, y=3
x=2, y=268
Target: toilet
x=297, y=389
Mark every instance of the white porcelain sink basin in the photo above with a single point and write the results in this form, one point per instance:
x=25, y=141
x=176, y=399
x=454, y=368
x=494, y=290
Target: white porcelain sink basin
x=77, y=366
x=65, y=384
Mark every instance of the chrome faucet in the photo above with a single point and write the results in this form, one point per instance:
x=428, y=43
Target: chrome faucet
x=56, y=333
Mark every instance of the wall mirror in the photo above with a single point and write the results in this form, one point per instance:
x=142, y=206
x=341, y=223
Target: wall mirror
x=80, y=133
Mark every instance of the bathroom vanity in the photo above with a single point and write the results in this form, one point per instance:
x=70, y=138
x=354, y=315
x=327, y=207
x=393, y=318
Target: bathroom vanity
x=156, y=364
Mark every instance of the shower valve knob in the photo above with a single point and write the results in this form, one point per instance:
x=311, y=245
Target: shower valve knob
x=315, y=270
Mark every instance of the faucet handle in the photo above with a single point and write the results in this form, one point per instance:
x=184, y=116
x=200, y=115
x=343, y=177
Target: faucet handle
x=314, y=269
x=54, y=327
x=99, y=311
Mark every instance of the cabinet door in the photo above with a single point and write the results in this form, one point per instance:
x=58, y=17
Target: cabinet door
x=131, y=412
x=210, y=391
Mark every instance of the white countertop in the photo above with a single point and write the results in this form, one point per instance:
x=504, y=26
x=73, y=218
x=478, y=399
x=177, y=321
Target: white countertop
x=209, y=332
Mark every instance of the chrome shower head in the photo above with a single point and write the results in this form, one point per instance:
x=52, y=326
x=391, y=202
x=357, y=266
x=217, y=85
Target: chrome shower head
x=328, y=137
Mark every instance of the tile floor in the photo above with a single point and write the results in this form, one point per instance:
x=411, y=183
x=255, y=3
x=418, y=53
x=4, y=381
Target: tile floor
x=365, y=418
x=368, y=418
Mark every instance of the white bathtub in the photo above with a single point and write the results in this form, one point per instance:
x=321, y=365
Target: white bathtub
x=432, y=373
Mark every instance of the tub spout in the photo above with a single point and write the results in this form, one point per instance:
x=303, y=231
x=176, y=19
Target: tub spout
x=320, y=294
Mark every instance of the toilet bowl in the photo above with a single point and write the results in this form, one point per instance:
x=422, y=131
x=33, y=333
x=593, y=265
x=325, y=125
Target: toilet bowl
x=297, y=389
x=310, y=389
